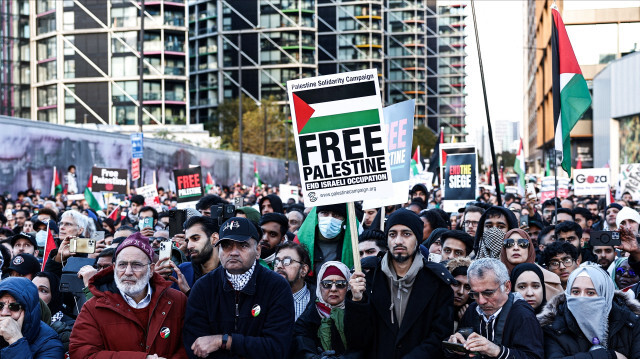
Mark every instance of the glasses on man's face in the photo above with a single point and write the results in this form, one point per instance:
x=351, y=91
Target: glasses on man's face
x=485, y=293
x=340, y=284
x=555, y=264
x=510, y=242
x=286, y=261
x=14, y=307
x=470, y=224
x=622, y=271
x=135, y=266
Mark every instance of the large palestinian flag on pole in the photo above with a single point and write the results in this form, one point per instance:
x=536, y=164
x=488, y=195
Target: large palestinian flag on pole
x=571, y=96
x=341, y=144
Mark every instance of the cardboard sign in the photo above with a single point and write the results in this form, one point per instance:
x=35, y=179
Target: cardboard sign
x=288, y=192
x=398, y=124
x=188, y=186
x=548, y=190
x=459, y=180
x=629, y=180
x=109, y=180
x=135, y=169
x=592, y=181
x=150, y=194
x=340, y=141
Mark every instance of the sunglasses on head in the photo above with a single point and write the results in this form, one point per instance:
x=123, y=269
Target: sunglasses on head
x=14, y=307
x=510, y=242
x=340, y=284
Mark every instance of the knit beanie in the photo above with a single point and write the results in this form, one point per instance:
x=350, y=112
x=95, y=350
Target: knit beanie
x=406, y=218
x=139, y=241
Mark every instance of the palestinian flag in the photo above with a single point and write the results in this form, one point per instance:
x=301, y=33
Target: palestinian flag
x=323, y=109
x=571, y=96
x=49, y=245
x=502, y=182
x=56, y=185
x=518, y=166
x=91, y=200
x=547, y=167
x=208, y=185
x=257, y=181
x=416, y=163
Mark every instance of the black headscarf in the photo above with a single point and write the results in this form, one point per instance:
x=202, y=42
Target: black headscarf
x=55, y=305
x=526, y=267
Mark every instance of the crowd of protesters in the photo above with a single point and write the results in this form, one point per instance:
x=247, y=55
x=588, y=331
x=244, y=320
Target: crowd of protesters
x=274, y=279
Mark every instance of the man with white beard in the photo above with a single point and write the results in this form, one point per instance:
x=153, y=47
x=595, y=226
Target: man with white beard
x=132, y=309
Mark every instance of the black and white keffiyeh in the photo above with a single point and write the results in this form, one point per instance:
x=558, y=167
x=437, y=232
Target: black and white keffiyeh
x=238, y=281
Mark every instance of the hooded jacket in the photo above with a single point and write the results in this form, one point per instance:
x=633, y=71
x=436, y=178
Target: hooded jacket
x=276, y=203
x=38, y=339
x=564, y=339
x=108, y=328
x=512, y=222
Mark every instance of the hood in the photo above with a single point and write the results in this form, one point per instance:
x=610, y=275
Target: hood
x=25, y=293
x=102, y=283
x=512, y=222
x=551, y=310
x=276, y=203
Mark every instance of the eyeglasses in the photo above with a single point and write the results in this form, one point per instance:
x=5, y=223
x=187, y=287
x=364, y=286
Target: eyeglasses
x=340, y=284
x=471, y=223
x=629, y=272
x=135, y=266
x=286, y=261
x=556, y=264
x=510, y=242
x=485, y=293
x=14, y=307
x=66, y=224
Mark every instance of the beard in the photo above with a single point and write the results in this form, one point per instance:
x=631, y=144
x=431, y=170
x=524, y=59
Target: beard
x=266, y=251
x=401, y=258
x=133, y=289
x=203, y=255
x=291, y=281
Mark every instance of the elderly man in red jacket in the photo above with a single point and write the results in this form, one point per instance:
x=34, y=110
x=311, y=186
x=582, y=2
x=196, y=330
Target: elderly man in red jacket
x=134, y=313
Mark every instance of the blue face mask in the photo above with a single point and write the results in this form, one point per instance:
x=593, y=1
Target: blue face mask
x=329, y=227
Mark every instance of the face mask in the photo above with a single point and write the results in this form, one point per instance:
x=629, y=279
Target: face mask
x=41, y=238
x=329, y=227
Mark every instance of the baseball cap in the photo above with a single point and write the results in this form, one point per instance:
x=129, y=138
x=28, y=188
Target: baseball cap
x=26, y=236
x=238, y=229
x=24, y=264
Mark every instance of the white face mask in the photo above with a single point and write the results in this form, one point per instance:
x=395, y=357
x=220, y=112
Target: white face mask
x=41, y=238
x=329, y=227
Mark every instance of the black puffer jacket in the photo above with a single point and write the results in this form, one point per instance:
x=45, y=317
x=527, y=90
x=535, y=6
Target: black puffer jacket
x=564, y=339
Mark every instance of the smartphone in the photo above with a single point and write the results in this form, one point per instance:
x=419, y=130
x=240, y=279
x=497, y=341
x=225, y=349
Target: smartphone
x=177, y=217
x=146, y=222
x=455, y=347
x=524, y=221
x=604, y=238
x=531, y=191
x=165, y=250
x=82, y=245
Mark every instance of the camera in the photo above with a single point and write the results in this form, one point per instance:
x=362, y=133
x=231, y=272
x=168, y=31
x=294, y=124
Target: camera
x=222, y=212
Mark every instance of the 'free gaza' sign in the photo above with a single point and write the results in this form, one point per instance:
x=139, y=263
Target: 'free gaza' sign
x=340, y=141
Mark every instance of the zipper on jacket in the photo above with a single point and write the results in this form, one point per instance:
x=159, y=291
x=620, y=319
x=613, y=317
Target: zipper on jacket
x=237, y=313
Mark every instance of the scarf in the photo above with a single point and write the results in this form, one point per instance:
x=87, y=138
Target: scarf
x=613, y=267
x=531, y=251
x=491, y=243
x=401, y=287
x=239, y=281
x=592, y=313
x=530, y=267
x=330, y=315
x=324, y=308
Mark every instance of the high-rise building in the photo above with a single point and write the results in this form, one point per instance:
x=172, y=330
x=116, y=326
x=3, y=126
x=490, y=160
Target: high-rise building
x=15, y=99
x=84, y=67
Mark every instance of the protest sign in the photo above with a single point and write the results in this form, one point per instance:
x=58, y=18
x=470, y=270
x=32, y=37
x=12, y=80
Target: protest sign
x=548, y=189
x=288, y=192
x=188, y=186
x=109, y=180
x=150, y=194
x=629, y=180
x=459, y=172
x=341, y=146
x=135, y=169
x=592, y=181
x=398, y=124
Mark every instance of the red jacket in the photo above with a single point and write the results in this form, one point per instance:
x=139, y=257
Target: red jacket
x=107, y=328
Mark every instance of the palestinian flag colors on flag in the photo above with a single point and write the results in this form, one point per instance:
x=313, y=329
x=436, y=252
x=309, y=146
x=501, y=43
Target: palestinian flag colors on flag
x=518, y=167
x=56, y=185
x=208, y=185
x=91, y=200
x=257, y=181
x=571, y=96
x=416, y=163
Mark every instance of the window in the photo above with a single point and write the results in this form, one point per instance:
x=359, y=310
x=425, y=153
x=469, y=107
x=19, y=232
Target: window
x=124, y=17
x=46, y=49
x=124, y=66
x=68, y=22
x=130, y=38
x=69, y=69
x=128, y=87
x=47, y=95
x=69, y=115
x=125, y=115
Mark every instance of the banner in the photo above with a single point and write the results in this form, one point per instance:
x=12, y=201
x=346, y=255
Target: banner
x=341, y=146
x=629, y=180
x=592, y=181
x=287, y=192
x=150, y=194
x=188, y=186
x=548, y=190
x=109, y=180
x=398, y=124
x=135, y=169
x=459, y=166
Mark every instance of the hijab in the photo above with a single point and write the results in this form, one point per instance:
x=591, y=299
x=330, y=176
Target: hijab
x=55, y=305
x=531, y=252
x=529, y=267
x=324, y=308
x=592, y=313
x=613, y=267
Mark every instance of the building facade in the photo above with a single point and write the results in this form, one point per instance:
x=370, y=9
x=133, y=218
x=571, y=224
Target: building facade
x=85, y=65
x=15, y=99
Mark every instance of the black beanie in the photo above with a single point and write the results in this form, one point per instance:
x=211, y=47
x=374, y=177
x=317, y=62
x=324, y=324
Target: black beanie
x=340, y=208
x=279, y=218
x=407, y=218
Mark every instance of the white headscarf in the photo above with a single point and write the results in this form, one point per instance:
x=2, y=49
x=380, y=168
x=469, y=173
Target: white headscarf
x=345, y=272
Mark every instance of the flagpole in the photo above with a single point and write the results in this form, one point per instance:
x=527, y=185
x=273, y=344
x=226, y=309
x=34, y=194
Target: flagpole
x=486, y=108
x=555, y=182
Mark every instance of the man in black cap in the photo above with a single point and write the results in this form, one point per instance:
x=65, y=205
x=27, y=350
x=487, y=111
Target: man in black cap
x=24, y=243
x=24, y=265
x=240, y=309
x=403, y=307
x=274, y=227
